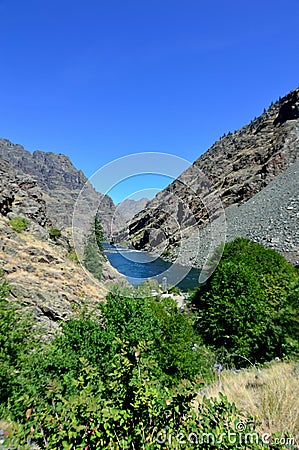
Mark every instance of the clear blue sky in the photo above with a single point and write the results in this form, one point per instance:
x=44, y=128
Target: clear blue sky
x=98, y=80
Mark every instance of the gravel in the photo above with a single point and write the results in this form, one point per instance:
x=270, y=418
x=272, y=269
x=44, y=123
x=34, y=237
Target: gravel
x=270, y=217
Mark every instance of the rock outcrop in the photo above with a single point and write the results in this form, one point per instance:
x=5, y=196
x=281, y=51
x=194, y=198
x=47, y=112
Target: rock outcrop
x=61, y=184
x=43, y=277
x=128, y=208
x=21, y=195
x=234, y=169
x=44, y=273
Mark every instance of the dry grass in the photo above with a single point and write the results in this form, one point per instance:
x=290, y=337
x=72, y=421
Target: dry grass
x=270, y=394
x=62, y=282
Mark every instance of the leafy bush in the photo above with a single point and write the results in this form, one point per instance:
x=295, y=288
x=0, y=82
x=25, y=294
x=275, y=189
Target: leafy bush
x=72, y=254
x=289, y=319
x=156, y=418
x=19, y=224
x=94, y=250
x=125, y=408
x=243, y=308
x=92, y=259
x=15, y=341
x=121, y=377
x=145, y=328
x=168, y=336
x=54, y=233
x=166, y=253
x=99, y=234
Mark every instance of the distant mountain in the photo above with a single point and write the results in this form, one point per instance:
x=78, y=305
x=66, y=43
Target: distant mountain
x=128, y=208
x=44, y=274
x=237, y=167
x=61, y=184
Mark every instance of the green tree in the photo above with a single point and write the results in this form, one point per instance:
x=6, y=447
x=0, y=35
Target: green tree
x=241, y=307
x=92, y=259
x=104, y=380
x=54, y=234
x=93, y=256
x=99, y=233
x=170, y=337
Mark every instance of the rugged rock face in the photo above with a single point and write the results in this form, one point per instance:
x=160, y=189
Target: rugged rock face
x=20, y=194
x=60, y=182
x=42, y=276
x=235, y=168
x=269, y=218
x=128, y=208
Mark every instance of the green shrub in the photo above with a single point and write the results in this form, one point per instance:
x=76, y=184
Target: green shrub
x=169, y=336
x=92, y=259
x=156, y=418
x=174, y=290
x=94, y=251
x=54, y=233
x=122, y=377
x=137, y=347
x=289, y=319
x=241, y=308
x=16, y=340
x=72, y=255
x=19, y=224
x=99, y=234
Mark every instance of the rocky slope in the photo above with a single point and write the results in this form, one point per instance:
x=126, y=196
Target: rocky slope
x=20, y=194
x=60, y=182
x=270, y=218
x=128, y=208
x=233, y=170
x=44, y=274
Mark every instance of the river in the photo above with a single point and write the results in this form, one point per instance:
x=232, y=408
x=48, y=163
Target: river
x=138, y=266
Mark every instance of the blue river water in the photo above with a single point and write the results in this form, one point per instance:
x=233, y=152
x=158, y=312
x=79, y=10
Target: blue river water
x=138, y=266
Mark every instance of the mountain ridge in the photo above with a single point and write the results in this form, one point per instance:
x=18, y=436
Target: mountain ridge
x=61, y=183
x=128, y=208
x=42, y=269
x=236, y=167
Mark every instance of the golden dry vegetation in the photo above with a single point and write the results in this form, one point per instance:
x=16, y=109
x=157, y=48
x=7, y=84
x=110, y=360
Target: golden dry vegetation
x=271, y=394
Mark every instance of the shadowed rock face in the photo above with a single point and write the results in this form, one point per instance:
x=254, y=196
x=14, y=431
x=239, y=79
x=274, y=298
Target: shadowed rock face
x=60, y=182
x=20, y=194
x=238, y=166
x=43, y=274
x=128, y=208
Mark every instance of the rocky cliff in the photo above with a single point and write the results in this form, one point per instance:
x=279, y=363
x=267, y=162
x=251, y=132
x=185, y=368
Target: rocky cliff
x=60, y=182
x=44, y=273
x=20, y=194
x=128, y=208
x=234, y=170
